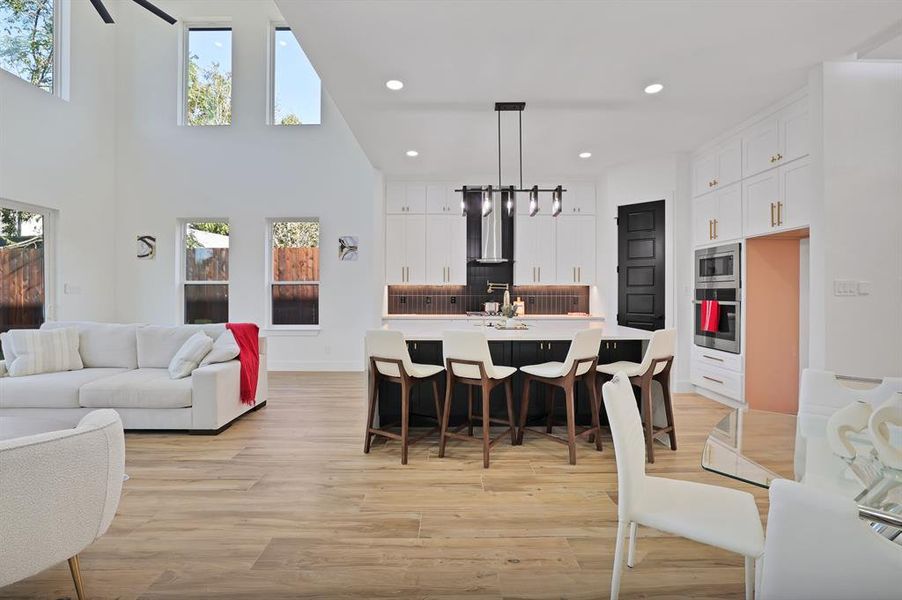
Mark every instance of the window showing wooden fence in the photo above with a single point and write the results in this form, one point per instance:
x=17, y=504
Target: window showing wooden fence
x=21, y=287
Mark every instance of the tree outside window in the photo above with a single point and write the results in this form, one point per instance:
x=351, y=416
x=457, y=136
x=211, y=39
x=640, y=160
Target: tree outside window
x=26, y=40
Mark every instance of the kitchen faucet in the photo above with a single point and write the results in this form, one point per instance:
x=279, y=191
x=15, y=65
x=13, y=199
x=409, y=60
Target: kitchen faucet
x=494, y=287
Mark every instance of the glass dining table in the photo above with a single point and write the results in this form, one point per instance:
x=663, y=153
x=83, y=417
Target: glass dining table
x=756, y=447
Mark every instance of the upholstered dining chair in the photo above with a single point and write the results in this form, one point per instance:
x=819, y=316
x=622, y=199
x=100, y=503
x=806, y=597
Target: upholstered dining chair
x=58, y=493
x=703, y=513
x=818, y=547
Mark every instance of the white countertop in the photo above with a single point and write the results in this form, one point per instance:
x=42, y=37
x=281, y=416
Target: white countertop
x=412, y=317
x=425, y=329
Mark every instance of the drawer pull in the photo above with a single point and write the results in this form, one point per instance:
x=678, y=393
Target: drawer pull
x=712, y=379
x=712, y=358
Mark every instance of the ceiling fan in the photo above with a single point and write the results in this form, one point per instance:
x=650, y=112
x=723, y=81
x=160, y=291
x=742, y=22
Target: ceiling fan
x=107, y=18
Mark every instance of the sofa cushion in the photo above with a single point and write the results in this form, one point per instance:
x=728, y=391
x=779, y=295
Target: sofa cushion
x=189, y=355
x=141, y=388
x=225, y=348
x=157, y=344
x=49, y=390
x=6, y=347
x=44, y=351
x=104, y=344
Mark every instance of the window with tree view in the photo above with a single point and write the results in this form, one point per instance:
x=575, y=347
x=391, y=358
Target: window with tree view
x=206, y=272
x=294, y=272
x=297, y=91
x=21, y=269
x=208, y=88
x=26, y=40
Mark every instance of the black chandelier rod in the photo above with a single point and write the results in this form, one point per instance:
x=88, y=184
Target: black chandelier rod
x=508, y=188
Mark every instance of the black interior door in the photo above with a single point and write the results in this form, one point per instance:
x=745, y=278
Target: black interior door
x=640, y=265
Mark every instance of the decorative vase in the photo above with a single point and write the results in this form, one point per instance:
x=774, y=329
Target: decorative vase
x=844, y=422
x=889, y=413
x=510, y=323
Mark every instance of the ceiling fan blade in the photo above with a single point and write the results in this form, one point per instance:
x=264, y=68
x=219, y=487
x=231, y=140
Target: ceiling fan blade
x=166, y=17
x=102, y=11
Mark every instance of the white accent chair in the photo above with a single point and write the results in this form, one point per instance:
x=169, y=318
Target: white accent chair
x=469, y=362
x=580, y=362
x=390, y=362
x=655, y=366
x=818, y=548
x=707, y=514
x=58, y=493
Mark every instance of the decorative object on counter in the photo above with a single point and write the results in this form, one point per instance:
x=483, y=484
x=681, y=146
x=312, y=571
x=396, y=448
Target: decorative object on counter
x=348, y=247
x=509, y=311
x=521, y=306
x=146, y=247
x=889, y=413
x=849, y=420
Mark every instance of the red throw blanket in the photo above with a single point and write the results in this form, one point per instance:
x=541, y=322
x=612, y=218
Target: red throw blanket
x=710, y=316
x=248, y=337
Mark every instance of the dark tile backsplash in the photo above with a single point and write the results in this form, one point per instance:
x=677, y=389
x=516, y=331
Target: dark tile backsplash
x=452, y=300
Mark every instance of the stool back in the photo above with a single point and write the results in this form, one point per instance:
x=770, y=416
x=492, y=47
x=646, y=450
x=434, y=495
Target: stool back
x=661, y=346
x=629, y=442
x=383, y=343
x=585, y=344
x=470, y=346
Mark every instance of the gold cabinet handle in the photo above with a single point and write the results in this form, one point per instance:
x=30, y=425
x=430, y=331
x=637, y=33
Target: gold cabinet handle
x=779, y=213
x=715, y=229
x=579, y=274
x=533, y=274
x=540, y=274
x=710, y=230
x=712, y=379
x=772, y=219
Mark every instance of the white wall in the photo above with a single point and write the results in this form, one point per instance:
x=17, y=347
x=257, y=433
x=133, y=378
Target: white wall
x=246, y=173
x=861, y=219
x=58, y=154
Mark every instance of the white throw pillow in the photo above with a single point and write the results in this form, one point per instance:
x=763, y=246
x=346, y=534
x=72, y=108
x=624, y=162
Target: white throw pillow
x=37, y=351
x=189, y=355
x=225, y=348
x=7, y=348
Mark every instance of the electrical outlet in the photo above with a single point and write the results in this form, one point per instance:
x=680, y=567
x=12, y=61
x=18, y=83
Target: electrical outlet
x=530, y=299
x=845, y=287
x=428, y=299
x=453, y=299
x=402, y=299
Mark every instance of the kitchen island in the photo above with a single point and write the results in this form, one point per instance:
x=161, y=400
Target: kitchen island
x=545, y=340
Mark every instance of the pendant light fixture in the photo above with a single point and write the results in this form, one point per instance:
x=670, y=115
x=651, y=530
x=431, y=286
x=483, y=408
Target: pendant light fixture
x=488, y=192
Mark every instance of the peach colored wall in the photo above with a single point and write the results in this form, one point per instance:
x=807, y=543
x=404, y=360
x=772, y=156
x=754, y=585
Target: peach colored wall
x=772, y=324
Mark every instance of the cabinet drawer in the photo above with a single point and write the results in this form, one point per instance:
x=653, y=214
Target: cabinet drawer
x=717, y=359
x=724, y=382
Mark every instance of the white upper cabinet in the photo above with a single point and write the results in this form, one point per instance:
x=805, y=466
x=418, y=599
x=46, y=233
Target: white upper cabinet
x=717, y=217
x=405, y=249
x=441, y=199
x=776, y=139
x=579, y=199
x=760, y=195
x=405, y=198
x=534, y=249
x=717, y=168
x=446, y=249
x=575, y=250
x=778, y=199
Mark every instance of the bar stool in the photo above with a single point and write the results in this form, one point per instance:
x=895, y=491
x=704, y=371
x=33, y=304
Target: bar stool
x=468, y=361
x=390, y=361
x=579, y=364
x=655, y=366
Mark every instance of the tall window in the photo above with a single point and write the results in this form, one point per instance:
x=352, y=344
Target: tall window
x=206, y=275
x=27, y=40
x=297, y=91
x=23, y=271
x=208, y=76
x=294, y=272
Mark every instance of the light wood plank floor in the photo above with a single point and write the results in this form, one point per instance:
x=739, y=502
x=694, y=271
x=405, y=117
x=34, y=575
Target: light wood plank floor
x=285, y=504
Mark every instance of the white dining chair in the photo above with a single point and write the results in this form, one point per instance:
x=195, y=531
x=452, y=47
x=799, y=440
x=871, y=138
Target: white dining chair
x=655, y=366
x=708, y=514
x=818, y=548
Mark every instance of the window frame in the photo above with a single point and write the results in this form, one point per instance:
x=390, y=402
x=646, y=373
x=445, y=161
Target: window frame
x=49, y=217
x=59, y=68
x=221, y=24
x=269, y=280
x=181, y=268
x=275, y=26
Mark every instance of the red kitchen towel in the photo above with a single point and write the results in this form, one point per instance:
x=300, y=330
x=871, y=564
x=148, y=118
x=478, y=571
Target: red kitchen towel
x=248, y=337
x=710, y=315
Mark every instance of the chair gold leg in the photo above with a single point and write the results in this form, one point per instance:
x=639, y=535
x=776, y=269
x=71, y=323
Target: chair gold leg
x=76, y=577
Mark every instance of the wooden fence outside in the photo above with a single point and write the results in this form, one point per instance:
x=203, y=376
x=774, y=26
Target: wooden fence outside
x=288, y=264
x=21, y=287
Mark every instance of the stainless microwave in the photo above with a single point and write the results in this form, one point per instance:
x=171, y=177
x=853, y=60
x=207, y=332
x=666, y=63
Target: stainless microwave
x=718, y=267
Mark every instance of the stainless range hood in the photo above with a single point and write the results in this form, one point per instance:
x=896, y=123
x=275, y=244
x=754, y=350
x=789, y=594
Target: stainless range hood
x=492, y=240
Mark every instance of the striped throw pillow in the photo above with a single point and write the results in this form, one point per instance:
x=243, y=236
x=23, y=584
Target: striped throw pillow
x=43, y=351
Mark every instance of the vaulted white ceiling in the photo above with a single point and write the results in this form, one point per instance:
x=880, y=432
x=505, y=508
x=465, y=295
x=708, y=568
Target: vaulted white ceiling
x=580, y=66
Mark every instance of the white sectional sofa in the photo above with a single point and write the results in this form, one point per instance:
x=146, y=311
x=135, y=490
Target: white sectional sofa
x=125, y=368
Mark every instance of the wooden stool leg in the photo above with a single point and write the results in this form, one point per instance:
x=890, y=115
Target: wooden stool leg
x=509, y=394
x=524, y=409
x=549, y=408
x=470, y=410
x=593, y=402
x=371, y=412
x=405, y=419
x=486, y=393
x=446, y=415
x=571, y=423
x=648, y=420
x=436, y=395
x=668, y=408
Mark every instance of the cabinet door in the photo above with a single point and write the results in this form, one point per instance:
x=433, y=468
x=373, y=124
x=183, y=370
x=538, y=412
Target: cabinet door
x=415, y=248
x=794, y=131
x=704, y=173
x=415, y=198
x=729, y=163
x=395, y=198
x=438, y=249
x=797, y=190
x=579, y=199
x=566, y=249
x=704, y=211
x=760, y=195
x=585, y=250
x=436, y=203
x=544, y=244
x=524, y=245
x=729, y=214
x=395, y=251
x=457, y=254
x=760, y=146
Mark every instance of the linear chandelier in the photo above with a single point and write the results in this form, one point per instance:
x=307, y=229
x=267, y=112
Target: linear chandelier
x=488, y=191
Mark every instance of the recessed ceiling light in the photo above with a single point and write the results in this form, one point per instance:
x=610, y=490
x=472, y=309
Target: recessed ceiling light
x=283, y=43
x=585, y=155
x=412, y=153
x=654, y=88
x=394, y=85
x=217, y=44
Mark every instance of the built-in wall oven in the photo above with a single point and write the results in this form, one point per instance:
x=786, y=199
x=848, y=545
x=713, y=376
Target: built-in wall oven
x=717, y=277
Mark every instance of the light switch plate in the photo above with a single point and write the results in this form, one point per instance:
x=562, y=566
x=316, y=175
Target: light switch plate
x=864, y=288
x=845, y=287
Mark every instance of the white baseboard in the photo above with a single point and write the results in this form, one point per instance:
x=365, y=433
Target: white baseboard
x=712, y=395
x=314, y=365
